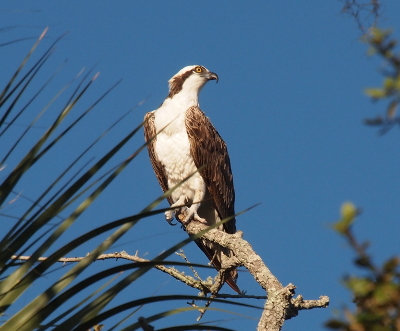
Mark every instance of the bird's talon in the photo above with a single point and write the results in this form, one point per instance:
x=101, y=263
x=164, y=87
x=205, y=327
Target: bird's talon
x=194, y=216
x=170, y=222
x=200, y=219
x=169, y=217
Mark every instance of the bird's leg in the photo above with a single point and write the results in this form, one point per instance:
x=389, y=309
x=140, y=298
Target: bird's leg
x=169, y=214
x=192, y=211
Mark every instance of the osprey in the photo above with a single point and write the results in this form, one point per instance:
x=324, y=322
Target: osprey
x=183, y=142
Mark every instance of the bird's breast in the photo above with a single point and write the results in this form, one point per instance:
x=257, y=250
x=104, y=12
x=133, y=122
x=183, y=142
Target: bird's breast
x=173, y=151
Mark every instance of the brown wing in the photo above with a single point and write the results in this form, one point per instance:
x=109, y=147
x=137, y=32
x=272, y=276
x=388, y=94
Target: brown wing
x=150, y=135
x=209, y=150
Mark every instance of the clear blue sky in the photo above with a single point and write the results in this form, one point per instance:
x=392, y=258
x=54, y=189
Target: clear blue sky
x=289, y=104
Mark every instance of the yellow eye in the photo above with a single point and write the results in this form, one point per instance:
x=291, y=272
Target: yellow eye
x=198, y=69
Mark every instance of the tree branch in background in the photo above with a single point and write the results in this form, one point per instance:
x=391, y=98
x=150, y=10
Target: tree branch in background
x=366, y=14
x=376, y=293
x=381, y=43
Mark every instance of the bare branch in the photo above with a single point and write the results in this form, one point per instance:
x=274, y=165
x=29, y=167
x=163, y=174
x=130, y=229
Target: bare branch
x=183, y=256
x=301, y=304
x=203, y=286
x=365, y=13
x=280, y=305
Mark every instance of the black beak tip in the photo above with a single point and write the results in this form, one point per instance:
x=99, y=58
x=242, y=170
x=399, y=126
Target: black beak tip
x=214, y=76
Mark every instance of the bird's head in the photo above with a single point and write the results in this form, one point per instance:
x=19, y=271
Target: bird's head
x=190, y=78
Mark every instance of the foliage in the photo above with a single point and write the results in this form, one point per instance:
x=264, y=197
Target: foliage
x=383, y=44
x=376, y=293
x=367, y=15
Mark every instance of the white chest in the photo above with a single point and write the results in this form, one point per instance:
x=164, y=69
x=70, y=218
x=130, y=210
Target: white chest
x=172, y=148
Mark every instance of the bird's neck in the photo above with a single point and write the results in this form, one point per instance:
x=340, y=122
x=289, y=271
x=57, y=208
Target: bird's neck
x=172, y=112
x=179, y=103
x=188, y=96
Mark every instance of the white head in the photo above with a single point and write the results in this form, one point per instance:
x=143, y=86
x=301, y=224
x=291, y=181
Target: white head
x=190, y=79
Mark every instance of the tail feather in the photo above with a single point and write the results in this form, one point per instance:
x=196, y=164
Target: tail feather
x=232, y=283
x=210, y=253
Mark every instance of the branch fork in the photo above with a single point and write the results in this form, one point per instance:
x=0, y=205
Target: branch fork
x=280, y=304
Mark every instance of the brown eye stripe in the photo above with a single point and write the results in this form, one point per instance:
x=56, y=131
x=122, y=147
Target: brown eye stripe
x=177, y=83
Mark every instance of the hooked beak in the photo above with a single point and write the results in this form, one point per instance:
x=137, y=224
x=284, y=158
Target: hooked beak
x=212, y=76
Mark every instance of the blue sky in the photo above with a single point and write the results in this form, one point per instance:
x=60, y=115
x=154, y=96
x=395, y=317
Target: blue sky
x=289, y=104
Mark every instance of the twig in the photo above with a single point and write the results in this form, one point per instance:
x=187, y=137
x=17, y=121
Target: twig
x=183, y=256
x=188, y=280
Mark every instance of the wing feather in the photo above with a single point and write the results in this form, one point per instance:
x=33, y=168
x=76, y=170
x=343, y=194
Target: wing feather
x=150, y=135
x=209, y=150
